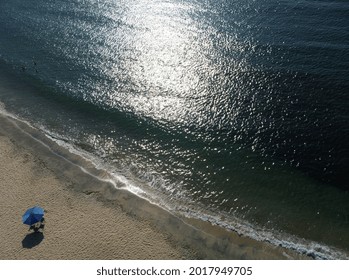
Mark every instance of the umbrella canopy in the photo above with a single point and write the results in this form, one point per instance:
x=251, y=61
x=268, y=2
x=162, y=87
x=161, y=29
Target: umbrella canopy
x=33, y=215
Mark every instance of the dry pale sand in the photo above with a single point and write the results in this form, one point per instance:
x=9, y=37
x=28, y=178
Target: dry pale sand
x=78, y=226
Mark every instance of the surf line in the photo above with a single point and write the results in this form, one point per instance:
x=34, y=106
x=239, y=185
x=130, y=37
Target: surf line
x=57, y=154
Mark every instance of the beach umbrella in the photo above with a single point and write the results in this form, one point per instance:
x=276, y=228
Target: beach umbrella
x=33, y=215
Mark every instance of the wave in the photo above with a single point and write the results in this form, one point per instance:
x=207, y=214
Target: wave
x=179, y=203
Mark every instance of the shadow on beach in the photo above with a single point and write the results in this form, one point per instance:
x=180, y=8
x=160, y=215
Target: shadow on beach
x=32, y=239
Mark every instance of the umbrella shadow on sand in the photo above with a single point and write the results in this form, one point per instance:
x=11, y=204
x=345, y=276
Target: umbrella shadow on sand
x=32, y=239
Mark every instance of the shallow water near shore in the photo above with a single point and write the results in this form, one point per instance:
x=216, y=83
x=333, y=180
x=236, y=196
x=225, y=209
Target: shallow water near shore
x=229, y=112
x=194, y=238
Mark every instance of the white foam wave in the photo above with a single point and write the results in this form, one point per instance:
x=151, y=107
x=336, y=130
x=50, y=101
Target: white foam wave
x=182, y=205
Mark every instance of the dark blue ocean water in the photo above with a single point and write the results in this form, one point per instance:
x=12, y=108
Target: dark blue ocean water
x=231, y=111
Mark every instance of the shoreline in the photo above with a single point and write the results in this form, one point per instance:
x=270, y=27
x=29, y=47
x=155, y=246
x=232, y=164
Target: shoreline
x=77, y=225
x=75, y=181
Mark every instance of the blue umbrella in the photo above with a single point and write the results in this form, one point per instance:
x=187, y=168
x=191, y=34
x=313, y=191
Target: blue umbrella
x=33, y=215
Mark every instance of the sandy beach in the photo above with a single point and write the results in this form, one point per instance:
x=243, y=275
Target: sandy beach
x=77, y=225
x=88, y=218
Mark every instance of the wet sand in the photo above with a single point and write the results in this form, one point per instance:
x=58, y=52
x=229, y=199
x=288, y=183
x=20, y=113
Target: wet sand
x=88, y=218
